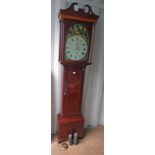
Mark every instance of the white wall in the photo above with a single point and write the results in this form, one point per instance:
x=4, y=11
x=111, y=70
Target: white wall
x=101, y=116
x=93, y=86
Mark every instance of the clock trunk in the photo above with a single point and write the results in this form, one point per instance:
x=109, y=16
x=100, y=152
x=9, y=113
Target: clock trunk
x=70, y=119
x=72, y=87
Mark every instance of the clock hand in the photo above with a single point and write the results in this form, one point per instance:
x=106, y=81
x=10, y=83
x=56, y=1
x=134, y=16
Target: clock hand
x=76, y=45
x=78, y=54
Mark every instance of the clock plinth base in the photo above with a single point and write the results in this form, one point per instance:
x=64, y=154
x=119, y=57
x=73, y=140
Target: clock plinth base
x=69, y=125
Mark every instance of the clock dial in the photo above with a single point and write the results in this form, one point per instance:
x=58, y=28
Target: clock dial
x=76, y=48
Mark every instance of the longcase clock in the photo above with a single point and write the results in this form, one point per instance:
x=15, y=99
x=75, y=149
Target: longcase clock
x=75, y=51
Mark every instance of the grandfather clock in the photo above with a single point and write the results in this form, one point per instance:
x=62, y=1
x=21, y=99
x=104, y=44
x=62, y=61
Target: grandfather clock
x=75, y=51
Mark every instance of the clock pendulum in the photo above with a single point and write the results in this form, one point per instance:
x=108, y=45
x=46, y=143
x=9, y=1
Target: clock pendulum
x=75, y=52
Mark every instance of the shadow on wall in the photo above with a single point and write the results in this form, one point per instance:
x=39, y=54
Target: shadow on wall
x=53, y=108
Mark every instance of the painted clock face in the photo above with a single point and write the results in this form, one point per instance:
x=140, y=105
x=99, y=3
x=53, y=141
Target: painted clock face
x=76, y=46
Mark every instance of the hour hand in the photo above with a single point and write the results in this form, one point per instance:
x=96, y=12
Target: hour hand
x=77, y=53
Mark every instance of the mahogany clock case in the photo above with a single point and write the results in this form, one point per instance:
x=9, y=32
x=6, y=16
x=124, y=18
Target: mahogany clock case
x=70, y=119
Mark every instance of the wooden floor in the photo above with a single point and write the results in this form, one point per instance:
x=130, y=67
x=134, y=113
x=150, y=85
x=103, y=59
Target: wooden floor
x=91, y=144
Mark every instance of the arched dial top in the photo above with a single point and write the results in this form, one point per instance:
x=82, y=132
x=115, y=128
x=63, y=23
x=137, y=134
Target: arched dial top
x=76, y=47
